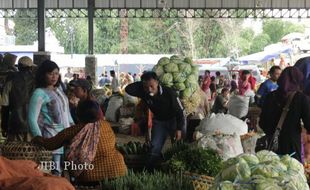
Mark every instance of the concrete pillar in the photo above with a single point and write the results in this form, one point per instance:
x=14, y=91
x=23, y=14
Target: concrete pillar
x=91, y=68
x=39, y=57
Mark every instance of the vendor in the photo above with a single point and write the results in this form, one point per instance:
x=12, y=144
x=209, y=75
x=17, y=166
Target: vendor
x=221, y=102
x=91, y=144
x=82, y=90
x=168, y=115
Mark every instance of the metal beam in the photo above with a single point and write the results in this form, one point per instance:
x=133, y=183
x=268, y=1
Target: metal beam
x=41, y=25
x=91, y=13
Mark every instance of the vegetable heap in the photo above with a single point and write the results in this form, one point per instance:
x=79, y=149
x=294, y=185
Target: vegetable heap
x=133, y=148
x=182, y=75
x=196, y=160
x=263, y=171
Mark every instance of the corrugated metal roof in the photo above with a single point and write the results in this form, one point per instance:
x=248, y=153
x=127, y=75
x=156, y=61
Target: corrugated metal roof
x=152, y=4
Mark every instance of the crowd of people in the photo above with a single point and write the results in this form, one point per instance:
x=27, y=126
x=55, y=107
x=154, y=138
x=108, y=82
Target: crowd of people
x=271, y=97
x=37, y=106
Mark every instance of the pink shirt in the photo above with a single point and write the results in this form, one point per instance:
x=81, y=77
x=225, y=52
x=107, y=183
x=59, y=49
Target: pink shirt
x=243, y=87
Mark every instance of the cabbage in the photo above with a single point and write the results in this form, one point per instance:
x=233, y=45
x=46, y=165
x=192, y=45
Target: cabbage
x=158, y=70
x=292, y=163
x=192, y=79
x=185, y=68
x=188, y=60
x=265, y=170
x=167, y=79
x=179, y=77
x=175, y=58
x=278, y=166
x=225, y=185
x=171, y=68
x=195, y=70
x=179, y=86
x=265, y=155
x=251, y=159
x=230, y=162
x=267, y=184
x=294, y=181
x=187, y=93
x=163, y=61
x=240, y=172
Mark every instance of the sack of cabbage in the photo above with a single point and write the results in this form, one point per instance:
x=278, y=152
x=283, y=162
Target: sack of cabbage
x=263, y=171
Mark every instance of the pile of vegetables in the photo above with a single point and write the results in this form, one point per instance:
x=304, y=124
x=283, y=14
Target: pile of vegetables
x=148, y=181
x=182, y=75
x=263, y=171
x=136, y=148
x=196, y=160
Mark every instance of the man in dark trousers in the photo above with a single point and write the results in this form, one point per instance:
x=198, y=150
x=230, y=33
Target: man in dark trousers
x=15, y=99
x=168, y=114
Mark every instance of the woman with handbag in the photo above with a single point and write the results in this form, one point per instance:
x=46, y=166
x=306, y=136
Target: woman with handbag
x=282, y=113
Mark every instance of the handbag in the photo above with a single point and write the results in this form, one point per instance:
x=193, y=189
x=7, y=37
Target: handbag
x=272, y=142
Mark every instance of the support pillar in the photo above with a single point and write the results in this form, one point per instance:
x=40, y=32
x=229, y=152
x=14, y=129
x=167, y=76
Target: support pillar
x=39, y=57
x=41, y=25
x=91, y=68
x=91, y=13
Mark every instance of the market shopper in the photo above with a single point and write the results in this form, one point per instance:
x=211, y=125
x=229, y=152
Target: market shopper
x=269, y=85
x=221, y=102
x=49, y=111
x=244, y=83
x=206, y=83
x=290, y=82
x=115, y=82
x=213, y=88
x=91, y=143
x=233, y=84
x=303, y=65
x=82, y=90
x=15, y=100
x=168, y=112
x=194, y=119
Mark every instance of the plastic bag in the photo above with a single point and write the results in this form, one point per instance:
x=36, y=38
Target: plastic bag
x=223, y=123
x=249, y=143
x=228, y=146
x=238, y=106
x=112, y=113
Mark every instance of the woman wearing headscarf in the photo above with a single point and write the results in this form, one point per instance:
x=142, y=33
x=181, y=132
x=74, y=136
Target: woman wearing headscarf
x=91, y=144
x=290, y=136
x=303, y=65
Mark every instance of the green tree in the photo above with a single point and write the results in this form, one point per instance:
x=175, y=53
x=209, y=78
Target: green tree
x=276, y=29
x=107, y=38
x=71, y=33
x=259, y=42
x=25, y=29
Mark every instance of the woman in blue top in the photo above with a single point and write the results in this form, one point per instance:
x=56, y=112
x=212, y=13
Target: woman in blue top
x=49, y=108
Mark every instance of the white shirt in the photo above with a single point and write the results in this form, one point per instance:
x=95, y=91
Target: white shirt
x=115, y=84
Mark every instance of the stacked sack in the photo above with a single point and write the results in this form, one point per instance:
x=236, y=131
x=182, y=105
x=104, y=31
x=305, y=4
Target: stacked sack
x=182, y=75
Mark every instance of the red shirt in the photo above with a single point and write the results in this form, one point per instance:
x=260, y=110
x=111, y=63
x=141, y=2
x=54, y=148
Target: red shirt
x=206, y=83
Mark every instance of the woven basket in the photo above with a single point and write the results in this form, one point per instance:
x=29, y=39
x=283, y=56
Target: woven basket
x=200, y=182
x=25, y=151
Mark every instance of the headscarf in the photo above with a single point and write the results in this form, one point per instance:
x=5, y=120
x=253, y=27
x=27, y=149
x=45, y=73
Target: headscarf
x=83, y=146
x=303, y=65
x=289, y=81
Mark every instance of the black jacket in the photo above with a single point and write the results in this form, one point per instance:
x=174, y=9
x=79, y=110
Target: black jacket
x=290, y=135
x=165, y=105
